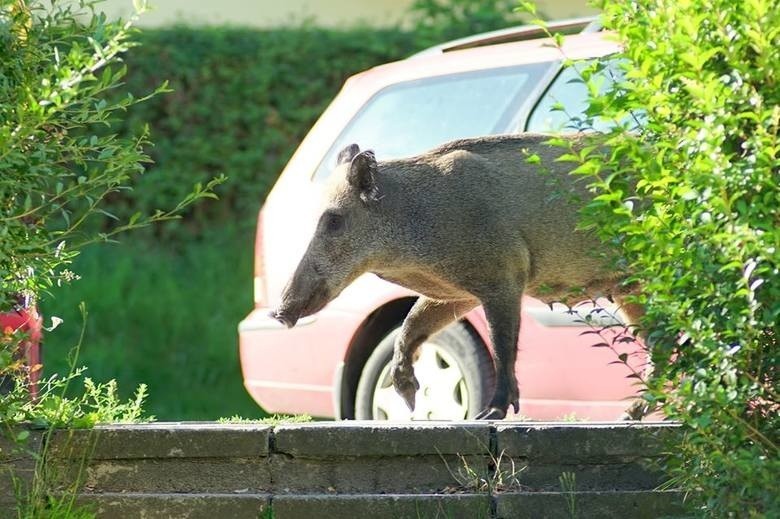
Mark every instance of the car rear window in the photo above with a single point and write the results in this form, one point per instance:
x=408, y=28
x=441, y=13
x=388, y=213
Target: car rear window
x=409, y=118
x=562, y=107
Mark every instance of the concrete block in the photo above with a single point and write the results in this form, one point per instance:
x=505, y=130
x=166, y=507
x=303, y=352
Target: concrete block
x=391, y=474
x=452, y=506
x=611, y=476
x=173, y=475
x=597, y=505
x=356, y=438
x=584, y=443
x=180, y=506
x=164, y=440
x=17, y=466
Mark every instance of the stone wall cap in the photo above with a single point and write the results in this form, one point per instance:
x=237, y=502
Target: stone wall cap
x=585, y=442
x=163, y=440
x=369, y=438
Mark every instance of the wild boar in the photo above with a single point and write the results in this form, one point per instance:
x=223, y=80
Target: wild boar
x=470, y=222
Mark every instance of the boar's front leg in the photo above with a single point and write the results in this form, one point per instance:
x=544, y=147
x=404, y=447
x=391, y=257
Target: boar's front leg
x=426, y=317
x=503, y=315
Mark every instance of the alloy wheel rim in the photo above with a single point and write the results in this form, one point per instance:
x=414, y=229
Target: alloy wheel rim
x=443, y=394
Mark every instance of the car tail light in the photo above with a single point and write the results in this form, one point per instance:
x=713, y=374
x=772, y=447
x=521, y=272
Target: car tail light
x=261, y=293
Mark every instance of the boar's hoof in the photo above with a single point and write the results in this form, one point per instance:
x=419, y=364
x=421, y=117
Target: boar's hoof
x=406, y=385
x=497, y=412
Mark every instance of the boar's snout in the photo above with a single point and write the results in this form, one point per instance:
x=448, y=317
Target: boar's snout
x=286, y=319
x=305, y=294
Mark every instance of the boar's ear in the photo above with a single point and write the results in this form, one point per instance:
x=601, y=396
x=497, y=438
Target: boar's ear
x=347, y=154
x=362, y=176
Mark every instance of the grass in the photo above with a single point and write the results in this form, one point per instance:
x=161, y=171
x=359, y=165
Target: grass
x=161, y=315
x=501, y=475
x=568, y=483
x=276, y=419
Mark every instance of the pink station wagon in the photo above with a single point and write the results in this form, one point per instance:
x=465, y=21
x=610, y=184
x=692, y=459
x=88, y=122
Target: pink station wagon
x=336, y=362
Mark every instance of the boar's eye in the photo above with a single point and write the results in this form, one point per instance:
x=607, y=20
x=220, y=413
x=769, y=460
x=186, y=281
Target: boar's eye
x=334, y=222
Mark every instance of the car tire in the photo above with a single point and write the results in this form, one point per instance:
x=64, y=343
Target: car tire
x=455, y=372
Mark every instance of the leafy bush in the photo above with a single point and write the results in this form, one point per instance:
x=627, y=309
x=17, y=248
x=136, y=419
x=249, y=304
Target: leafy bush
x=60, y=158
x=691, y=195
x=96, y=403
x=58, y=62
x=55, y=169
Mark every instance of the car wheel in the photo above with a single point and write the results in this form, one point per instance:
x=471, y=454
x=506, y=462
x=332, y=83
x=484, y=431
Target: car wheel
x=455, y=373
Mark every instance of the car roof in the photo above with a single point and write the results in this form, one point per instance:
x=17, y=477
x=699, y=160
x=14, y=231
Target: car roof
x=492, y=50
x=519, y=33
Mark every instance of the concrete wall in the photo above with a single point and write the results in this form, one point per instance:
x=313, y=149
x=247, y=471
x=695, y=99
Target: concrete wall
x=270, y=13
x=368, y=469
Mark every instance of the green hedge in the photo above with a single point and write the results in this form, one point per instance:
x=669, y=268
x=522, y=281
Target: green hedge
x=242, y=100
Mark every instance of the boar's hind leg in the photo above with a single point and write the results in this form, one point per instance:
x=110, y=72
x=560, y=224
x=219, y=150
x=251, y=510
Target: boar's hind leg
x=503, y=315
x=426, y=317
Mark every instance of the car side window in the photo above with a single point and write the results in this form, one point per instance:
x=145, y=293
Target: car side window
x=409, y=118
x=562, y=107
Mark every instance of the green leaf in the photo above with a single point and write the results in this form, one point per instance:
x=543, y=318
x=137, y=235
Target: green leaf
x=525, y=6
